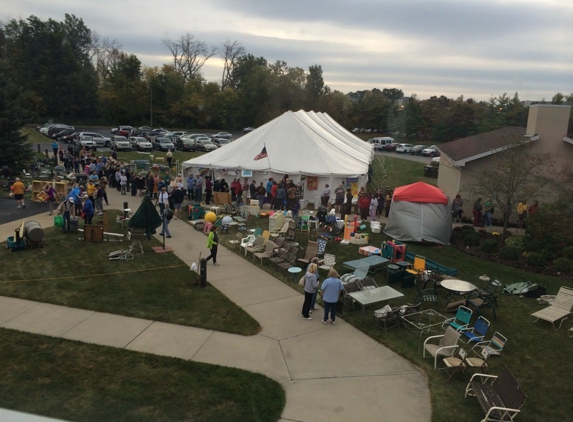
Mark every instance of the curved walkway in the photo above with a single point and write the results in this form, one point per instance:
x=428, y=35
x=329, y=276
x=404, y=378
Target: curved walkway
x=329, y=373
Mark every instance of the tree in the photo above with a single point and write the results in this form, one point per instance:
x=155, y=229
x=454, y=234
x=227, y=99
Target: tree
x=314, y=86
x=393, y=93
x=16, y=153
x=514, y=176
x=232, y=51
x=189, y=55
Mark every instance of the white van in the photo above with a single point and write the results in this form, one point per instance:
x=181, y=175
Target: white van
x=380, y=143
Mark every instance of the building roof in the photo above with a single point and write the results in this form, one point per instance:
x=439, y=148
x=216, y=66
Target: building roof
x=478, y=146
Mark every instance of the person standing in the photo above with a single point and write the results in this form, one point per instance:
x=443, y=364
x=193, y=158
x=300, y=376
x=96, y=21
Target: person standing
x=310, y=286
x=281, y=198
x=198, y=188
x=388, y=203
x=331, y=288
x=325, y=196
x=458, y=208
x=349, y=198
x=521, y=213
x=269, y=188
x=55, y=147
x=212, y=244
x=169, y=158
x=99, y=199
x=177, y=195
x=163, y=199
x=363, y=206
x=88, y=211
x=245, y=190
x=253, y=190
x=51, y=192
x=166, y=216
x=477, y=209
x=488, y=210
x=18, y=189
x=208, y=189
x=123, y=183
x=373, y=208
x=190, y=187
x=533, y=208
x=67, y=209
x=339, y=198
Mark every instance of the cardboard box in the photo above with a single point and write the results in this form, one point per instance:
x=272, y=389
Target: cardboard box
x=369, y=250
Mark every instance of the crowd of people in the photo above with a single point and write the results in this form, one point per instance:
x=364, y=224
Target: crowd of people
x=483, y=211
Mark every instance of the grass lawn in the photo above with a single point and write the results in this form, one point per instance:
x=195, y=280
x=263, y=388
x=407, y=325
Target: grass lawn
x=537, y=356
x=152, y=286
x=394, y=172
x=82, y=382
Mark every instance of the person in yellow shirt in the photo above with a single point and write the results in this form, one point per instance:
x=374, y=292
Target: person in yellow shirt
x=18, y=189
x=521, y=213
x=91, y=189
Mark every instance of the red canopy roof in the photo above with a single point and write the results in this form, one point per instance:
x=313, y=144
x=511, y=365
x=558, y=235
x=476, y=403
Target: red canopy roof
x=420, y=192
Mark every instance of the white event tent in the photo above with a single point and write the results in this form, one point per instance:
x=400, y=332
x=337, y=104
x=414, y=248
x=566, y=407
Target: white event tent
x=299, y=144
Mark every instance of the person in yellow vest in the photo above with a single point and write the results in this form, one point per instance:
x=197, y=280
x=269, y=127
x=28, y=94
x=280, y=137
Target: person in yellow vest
x=18, y=191
x=521, y=213
x=91, y=189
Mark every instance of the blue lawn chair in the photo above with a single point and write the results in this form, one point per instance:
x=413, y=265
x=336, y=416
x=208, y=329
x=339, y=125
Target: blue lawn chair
x=477, y=333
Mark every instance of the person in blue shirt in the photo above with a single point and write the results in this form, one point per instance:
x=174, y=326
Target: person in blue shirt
x=331, y=288
x=88, y=211
x=76, y=193
x=310, y=286
x=190, y=187
x=269, y=188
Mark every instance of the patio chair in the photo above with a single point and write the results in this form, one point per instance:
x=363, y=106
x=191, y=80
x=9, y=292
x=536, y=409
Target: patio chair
x=359, y=273
x=349, y=288
x=490, y=289
x=258, y=232
x=268, y=251
x=427, y=295
x=387, y=317
x=559, y=309
x=479, y=362
x=279, y=241
x=247, y=241
x=309, y=253
x=493, y=347
x=279, y=256
x=446, y=347
x=229, y=210
x=455, y=363
x=289, y=261
x=483, y=302
x=462, y=319
x=256, y=245
x=266, y=234
x=366, y=283
x=419, y=265
x=328, y=261
x=477, y=333
x=409, y=280
x=291, y=231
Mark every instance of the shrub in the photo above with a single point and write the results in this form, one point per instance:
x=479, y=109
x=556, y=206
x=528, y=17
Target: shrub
x=471, y=240
x=534, y=259
x=489, y=246
x=568, y=252
x=564, y=265
x=467, y=231
x=518, y=242
x=510, y=253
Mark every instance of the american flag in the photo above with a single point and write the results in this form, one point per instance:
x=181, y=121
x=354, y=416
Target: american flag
x=263, y=154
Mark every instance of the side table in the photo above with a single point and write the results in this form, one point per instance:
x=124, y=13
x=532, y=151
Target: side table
x=294, y=271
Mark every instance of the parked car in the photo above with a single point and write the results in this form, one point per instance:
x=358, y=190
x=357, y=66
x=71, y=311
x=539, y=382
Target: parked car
x=404, y=148
x=196, y=136
x=391, y=147
x=248, y=129
x=124, y=130
x=431, y=151
x=44, y=129
x=162, y=144
x=99, y=139
x=140, y=143
x=225, y=135
x=204, y=145
x=60, y=134
x=381, y=143
x=417, y=149
x=120, y=142
x=185, y=144
x=85, y=141
x=219, y=142
x=155, y=132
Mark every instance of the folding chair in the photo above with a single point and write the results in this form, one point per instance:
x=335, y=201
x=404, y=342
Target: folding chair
x=136, y=235
x=455, y=363
x=477, y=333
x=462, y=319
x=494, y=346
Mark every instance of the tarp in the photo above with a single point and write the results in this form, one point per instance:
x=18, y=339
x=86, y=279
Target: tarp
x=420, y=213
x=295, y=143
x=146, y=217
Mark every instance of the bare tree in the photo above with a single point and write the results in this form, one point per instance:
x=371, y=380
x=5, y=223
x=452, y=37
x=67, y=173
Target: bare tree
x=104, y=54
x=189, y=55
x=232, y=50
x=516, y=174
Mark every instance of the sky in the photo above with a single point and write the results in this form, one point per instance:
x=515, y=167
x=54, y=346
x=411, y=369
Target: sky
x=475, y=49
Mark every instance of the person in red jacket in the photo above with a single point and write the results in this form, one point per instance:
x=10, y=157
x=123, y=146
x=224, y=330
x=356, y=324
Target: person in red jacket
x=364, y=206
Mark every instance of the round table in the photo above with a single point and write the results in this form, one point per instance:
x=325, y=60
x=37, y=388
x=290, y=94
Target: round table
x=294, y=271
x=459, y=286
x=404, y=265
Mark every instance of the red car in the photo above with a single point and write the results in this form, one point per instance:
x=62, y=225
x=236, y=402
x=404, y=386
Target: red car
x=391, y=147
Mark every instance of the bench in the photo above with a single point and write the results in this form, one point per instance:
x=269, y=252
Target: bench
x=500, y=397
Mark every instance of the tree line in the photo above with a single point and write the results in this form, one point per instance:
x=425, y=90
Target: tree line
x=62, y=70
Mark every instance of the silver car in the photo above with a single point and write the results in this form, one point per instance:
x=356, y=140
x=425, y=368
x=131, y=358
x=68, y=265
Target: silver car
x=140, y=143
x=120, y=142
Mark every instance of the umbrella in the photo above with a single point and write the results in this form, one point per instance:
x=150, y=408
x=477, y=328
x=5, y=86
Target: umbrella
x=146, y=217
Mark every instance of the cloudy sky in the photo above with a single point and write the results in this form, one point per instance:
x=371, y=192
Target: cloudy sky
x=477, y=49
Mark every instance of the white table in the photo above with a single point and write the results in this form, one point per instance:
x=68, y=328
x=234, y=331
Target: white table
x=378, y=294
x=457, y=288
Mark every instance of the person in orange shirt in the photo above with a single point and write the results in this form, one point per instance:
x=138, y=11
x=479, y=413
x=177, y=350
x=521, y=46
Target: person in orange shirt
x=18, y=190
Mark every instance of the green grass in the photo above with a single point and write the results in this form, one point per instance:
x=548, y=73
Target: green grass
x=34, y=137
x=394, y=172
x=82, y=382
x=152, y=286
x=537, y=356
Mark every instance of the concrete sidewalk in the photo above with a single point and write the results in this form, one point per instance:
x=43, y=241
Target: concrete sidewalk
x=329, y=373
